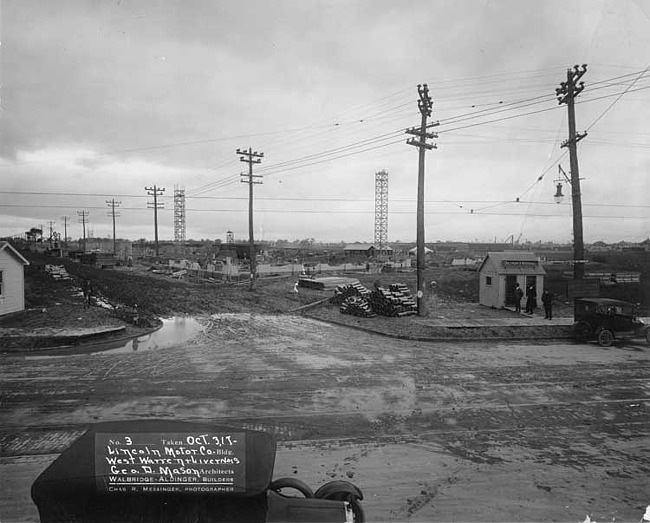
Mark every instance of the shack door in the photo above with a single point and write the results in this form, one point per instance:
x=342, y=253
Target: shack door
x=511, y=279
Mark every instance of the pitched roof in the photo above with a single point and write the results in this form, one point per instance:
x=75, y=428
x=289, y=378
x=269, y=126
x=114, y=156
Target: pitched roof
x=514, y=262
x=10, y=249
x=358, y=247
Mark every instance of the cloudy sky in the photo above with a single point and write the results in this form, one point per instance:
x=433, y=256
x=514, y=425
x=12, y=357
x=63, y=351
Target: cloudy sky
x=100, y=99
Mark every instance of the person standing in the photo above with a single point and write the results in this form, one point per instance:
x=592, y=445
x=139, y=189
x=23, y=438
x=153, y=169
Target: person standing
x=547, y=301
x=87, y=290
x=519, y=294
x=531, y=298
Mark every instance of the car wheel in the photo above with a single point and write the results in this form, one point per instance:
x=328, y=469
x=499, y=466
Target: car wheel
x=293, y=483
x=582, y=331
x=605, y=338
x=340, y=490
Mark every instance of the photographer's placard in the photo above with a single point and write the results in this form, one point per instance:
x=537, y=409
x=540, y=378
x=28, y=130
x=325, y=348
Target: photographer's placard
x=146, y=462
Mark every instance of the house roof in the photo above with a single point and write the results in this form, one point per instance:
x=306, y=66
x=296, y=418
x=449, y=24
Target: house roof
x=514, y=262
x=358, y=247
x=363, y=247
x=6, y=246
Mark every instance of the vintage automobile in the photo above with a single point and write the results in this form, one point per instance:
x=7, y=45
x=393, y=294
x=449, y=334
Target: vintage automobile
x=178, y=471
x=606, y=320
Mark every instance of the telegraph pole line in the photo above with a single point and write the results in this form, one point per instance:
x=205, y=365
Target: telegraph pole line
x=65, y=229
x=155, y=192
x=425, y=104
x=250, y=157
x=567, y=93
x=113, y=204
x=83, y=213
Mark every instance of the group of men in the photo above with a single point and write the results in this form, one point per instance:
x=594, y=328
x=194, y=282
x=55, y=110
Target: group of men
x=531, y=300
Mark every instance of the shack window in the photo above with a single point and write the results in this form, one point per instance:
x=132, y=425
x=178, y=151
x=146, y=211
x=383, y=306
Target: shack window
x=488, y=281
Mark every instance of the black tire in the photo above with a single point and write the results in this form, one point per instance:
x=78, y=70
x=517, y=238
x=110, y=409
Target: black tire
x=605, y=338
x=344, y=491
x=582, y=331
x=293, y=483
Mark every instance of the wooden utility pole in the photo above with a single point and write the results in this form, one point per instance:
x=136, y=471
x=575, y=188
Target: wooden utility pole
x=83, y=213
x=567, y=93
x=65, y=230
x=155, y=192
x=425, y=105
x=50, y=224
x=250, y=157
x=112, y=204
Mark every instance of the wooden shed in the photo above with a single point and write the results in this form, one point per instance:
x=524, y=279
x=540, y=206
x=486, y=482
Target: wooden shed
x=499, y=273
x=12, y=279
x=367, y=250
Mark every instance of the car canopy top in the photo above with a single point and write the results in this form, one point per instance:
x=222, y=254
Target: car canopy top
x=603, y=306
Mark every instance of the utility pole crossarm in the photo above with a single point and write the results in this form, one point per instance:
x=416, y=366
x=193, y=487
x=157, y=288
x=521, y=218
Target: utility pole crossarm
x=414, y=142
x=417, y=132
x=576, y=139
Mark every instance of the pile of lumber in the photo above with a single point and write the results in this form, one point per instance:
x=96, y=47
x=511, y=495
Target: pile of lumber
x=58, y=272
x=394, y=301
x=326, y=283
x=343, y=292
x=357, y=306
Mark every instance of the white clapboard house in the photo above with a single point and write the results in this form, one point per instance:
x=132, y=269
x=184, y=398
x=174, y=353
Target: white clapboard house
x=12, y=279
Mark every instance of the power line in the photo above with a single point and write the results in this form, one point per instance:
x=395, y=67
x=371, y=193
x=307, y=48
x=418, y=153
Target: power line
x=370, y=211
x=311, y=199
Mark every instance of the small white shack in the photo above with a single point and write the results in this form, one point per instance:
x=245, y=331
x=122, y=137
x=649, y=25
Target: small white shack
x=499, y=273
x=12, y=279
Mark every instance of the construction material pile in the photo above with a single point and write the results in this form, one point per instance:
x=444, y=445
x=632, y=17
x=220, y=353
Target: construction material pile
x=325, y=283
x=355, y=299
x=394, y=301
x=58, y=272
x=357, y=306
x=343, y=292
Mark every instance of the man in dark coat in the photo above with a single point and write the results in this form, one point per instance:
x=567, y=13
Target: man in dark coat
x=531, y=299
x=519, y=294
x=547, y=301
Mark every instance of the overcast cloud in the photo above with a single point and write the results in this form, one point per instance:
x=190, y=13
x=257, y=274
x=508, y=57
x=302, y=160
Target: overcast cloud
x=100, y=99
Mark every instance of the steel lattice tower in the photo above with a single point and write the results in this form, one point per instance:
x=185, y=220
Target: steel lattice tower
x=381, y=212
x=179, y=214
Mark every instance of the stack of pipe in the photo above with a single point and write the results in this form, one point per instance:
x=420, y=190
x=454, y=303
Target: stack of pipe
x=357, y=306
x=342, y=292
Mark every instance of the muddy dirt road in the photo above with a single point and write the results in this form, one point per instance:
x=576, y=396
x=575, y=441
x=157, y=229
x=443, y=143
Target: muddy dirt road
x=430, y=432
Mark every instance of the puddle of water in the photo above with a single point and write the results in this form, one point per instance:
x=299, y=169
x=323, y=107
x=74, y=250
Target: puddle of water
x=178, y=329
x=174, y=331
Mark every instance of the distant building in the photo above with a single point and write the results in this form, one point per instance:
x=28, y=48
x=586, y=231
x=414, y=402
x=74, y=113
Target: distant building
x=499, y=273
x=367, y=250
x=12, y=279
x=465, y=262
x=414, y=251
